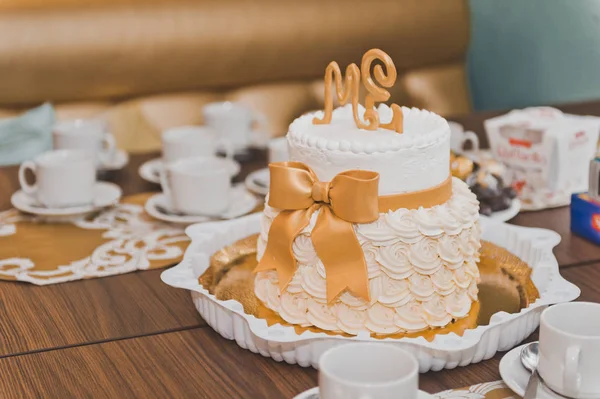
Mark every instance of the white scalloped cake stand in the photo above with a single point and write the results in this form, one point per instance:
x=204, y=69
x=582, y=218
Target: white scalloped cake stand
x=282, y=343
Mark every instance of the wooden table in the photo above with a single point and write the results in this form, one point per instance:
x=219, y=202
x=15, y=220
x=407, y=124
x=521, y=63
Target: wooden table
x=133, y=336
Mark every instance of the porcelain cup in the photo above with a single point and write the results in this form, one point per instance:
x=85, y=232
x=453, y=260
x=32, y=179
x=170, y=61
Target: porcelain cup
x=192, y=141
x=198, y=185
x=233, y=121
x=570, y=349
x=368, y=371
x=278, y=150
x=63, y=178
x=89, y=135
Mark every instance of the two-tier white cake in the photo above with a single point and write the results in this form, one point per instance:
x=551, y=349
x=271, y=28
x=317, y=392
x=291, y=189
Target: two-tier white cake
x=422, y=263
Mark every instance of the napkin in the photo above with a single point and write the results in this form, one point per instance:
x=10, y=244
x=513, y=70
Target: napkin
x=25, y=136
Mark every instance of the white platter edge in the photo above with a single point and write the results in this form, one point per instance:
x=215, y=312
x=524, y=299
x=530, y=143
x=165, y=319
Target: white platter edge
x=281, y=343
x=507, y=214
x=310, y=394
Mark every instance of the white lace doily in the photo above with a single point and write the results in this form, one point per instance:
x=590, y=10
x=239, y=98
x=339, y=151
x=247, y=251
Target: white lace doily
x=130, y=241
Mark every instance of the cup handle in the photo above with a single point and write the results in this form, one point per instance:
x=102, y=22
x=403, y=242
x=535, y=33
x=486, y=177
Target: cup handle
x=164, y=183
x=108, y=150
x=227, y=146
x=26, y=187
x=472, y=137
x=571, y=377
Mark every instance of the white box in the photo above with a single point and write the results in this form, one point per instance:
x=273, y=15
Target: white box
x=547, y=153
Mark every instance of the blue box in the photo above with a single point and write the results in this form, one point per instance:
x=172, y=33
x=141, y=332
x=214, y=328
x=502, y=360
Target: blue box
x=585, y=217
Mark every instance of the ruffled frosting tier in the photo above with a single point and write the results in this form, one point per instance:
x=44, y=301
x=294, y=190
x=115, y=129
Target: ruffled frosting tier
x=422, y=270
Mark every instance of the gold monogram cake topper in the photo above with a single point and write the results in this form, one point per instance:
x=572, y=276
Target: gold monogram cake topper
x=348, y=91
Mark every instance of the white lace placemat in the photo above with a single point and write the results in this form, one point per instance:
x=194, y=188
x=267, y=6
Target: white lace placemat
x=116, y=240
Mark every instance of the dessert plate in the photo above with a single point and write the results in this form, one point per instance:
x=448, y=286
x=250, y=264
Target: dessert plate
x=105, y=194
x=242, y=202
x=516, y=377
x=282, y=343
x=150, y=170
x=314, y=394
x=507, y=214
x=118, y=161
x=258, y=181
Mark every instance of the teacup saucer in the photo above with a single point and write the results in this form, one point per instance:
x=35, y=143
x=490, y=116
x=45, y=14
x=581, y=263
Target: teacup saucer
x=150, y=170
x=515, y=376
x=105, y=194
x=242, y=202
x=258, y=181
x=314, y=394
x=119, y=160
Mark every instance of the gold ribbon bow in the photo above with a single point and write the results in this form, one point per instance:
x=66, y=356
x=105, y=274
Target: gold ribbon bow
x=351, y=197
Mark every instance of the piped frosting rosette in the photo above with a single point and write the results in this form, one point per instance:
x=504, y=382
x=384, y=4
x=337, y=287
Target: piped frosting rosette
x=421, y=265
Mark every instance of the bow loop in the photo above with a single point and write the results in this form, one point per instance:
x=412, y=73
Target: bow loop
x=293, y=182
x=354, y=196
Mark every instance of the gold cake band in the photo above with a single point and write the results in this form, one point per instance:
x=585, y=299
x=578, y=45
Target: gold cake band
x=350, y=197
x=426, y=198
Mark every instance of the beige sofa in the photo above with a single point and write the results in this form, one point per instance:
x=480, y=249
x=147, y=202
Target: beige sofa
x=152, y=64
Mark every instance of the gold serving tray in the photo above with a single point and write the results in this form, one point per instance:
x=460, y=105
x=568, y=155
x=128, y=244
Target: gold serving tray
x=505, y=286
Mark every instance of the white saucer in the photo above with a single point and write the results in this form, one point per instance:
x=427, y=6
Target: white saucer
x=242, y=202
x=119, y=160
x=105, y=194
x=314, y=394
x=507, y=214
x=258, y=181
x=516, y=377
x=150, y=170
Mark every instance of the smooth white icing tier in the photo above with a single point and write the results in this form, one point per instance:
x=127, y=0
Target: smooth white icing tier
x=422, y=267
x=417, y=159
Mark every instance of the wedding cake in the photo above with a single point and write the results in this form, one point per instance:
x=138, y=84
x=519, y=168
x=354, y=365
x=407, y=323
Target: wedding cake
x=416, y=265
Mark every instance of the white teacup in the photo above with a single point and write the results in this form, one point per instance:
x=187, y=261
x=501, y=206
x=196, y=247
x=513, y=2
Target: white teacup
x=570, y=349
x=192, y=141
x=278, y=150
x=63, y=178
x=368, y=371
x=197, y=186
x=233, y=121
x=89, y=135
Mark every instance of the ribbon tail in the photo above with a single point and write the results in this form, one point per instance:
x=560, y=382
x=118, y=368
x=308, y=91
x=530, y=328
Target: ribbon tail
x=338, y=248
x=279, y=254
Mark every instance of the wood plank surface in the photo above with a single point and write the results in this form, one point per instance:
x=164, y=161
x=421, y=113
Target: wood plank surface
x=200, y=363
x=188, y=364
x=35, y=318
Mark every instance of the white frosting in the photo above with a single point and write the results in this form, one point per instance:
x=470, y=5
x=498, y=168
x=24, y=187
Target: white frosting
x=418, y=158
x=422, y=269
